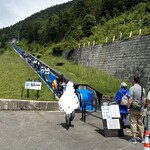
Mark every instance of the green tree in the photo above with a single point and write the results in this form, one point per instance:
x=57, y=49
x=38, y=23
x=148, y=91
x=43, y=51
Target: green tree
x=89, y=22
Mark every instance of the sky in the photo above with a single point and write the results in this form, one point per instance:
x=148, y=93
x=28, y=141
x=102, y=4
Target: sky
x=13, y=11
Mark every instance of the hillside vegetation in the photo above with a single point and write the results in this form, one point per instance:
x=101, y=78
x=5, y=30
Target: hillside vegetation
x=64, y=26
x=13, y=74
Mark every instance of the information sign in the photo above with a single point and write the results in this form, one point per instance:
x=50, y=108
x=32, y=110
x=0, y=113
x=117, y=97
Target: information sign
x=113, y=124
x=33, y=85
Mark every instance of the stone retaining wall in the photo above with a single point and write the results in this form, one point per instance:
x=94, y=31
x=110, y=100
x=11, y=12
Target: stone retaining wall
x=123, y=58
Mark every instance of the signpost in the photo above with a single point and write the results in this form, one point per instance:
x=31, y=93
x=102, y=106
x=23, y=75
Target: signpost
x=33, y=85
x=111, y=120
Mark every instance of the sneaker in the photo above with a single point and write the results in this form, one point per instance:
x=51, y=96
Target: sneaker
x=133, y=140
x=67, y=127
x=142, y=140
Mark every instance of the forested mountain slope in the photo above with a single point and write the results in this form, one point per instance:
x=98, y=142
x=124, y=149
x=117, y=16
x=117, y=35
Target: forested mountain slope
x=81, y=20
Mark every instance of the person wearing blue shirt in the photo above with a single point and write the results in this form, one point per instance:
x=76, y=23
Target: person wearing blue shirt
x=123, y=109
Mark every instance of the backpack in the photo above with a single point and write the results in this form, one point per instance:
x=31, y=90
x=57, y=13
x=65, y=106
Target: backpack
x=124, y=100
x=137, y=104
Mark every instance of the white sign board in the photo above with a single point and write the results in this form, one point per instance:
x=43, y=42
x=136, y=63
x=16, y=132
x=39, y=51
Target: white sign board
x=109, y=112
x=106, y=112
x=114, y=109
x=113, y=124
x=33, y=85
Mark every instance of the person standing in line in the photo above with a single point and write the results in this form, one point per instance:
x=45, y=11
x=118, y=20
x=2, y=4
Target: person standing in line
x=47, y=71
x=55, y=86
x=122, y=108
x=136, y=114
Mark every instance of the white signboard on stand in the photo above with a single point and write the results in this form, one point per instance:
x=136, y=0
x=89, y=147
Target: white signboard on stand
x=111, y=111
x=114, y=109
x=33, y=85
x=106, y=112
x=112, y=114
x=113, y=124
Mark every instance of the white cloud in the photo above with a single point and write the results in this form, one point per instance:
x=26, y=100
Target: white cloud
x=13, y=11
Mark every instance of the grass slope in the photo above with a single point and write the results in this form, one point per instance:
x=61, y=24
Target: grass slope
x=14, y=71
x=104, y=83
x=13, y=74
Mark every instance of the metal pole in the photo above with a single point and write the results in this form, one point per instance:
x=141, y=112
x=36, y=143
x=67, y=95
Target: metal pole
x=37, y=94
x=27, y=93
x=84, y=112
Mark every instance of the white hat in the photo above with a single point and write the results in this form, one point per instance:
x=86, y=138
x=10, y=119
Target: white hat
x=123, y=84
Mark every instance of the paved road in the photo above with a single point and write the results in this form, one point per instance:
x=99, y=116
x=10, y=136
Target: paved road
x=42, y=130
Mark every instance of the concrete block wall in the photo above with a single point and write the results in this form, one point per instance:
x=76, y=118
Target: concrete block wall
x=12, y=104
x=123, y=58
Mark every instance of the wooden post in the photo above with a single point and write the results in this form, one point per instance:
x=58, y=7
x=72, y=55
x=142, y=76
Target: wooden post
x=27, y=93
x=130, y=35
x=37, y=95
x=84, y=44
x=94, y=43
x=113, y=38
x=140, y=31
x=79, y=45
x=120, y=35
x=106, y=39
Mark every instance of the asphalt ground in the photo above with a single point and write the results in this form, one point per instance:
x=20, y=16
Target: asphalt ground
x=43, y=130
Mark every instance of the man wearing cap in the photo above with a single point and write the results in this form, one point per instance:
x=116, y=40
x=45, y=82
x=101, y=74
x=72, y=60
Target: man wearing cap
x=123, y=109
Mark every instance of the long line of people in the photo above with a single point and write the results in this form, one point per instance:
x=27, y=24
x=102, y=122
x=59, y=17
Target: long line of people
x=62, y=88
x=57, y=83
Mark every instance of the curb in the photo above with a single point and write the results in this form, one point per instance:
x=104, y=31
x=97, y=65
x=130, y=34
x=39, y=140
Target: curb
x=13, y=104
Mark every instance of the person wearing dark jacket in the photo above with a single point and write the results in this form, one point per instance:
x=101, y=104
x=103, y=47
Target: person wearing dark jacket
x=123, y=109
